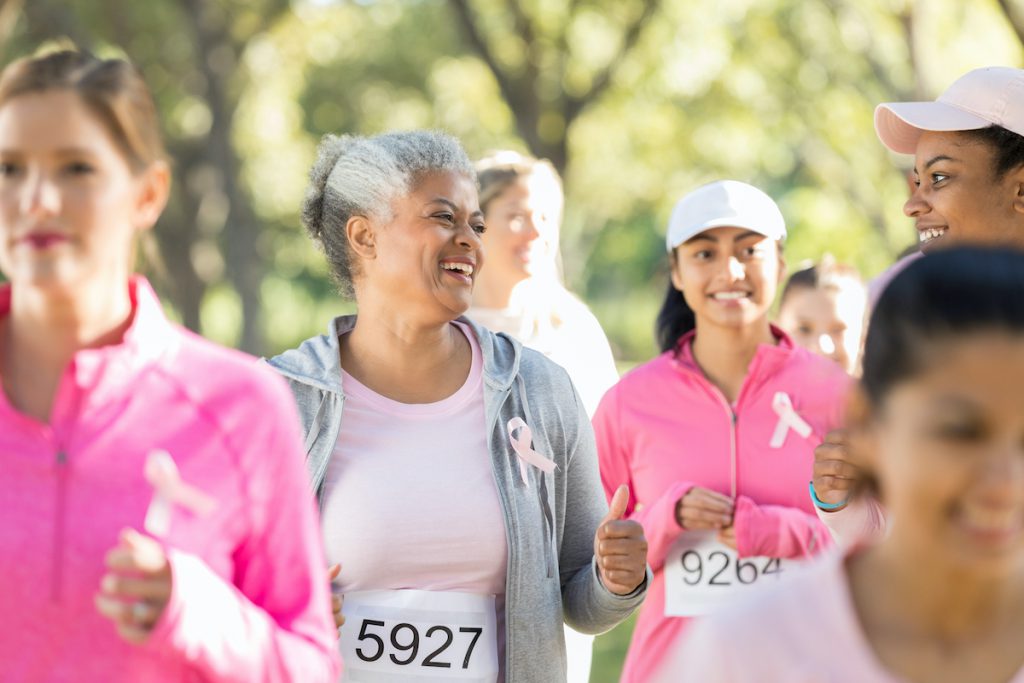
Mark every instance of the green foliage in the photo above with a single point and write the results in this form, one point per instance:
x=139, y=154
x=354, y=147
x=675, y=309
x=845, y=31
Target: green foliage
x=775, y=92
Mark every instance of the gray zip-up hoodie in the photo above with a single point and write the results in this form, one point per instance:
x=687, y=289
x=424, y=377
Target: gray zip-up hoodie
x=549, y=524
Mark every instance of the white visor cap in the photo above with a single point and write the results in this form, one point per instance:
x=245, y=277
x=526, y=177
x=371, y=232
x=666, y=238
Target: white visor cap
x=724, y=203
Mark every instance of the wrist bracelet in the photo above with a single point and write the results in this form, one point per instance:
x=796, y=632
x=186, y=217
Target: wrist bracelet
x=822, y=505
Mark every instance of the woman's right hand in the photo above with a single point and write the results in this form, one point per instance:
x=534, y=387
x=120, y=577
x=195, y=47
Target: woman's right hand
x=834, y=472
x=703, y=509
x=337, y=599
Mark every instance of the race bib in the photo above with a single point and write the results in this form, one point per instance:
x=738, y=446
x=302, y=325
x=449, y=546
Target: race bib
x=702, y=574
x=413, y=635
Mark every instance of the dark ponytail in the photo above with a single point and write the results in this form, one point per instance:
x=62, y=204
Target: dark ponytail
x=674, y=319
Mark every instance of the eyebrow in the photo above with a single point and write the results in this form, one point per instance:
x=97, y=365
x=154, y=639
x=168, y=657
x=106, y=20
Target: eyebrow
x=711, y=238
x=451, y=205
x=934, y=160
x=63, y=151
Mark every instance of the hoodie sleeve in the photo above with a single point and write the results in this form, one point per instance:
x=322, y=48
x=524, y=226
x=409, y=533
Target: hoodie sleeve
x=273, y=622
x=589, y=606
x=862, y=520
x=777, y=531
x=658, y=517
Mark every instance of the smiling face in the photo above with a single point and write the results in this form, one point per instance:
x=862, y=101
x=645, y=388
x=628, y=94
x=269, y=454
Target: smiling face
x=70, y=205
x=728, y=276
x=521, y=232
x=958, y=199
x=827, y=320
x=947, y=447
x=428, y=254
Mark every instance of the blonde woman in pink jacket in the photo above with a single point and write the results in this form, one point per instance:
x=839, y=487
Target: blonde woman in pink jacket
x=157, y=522
x=716, y=435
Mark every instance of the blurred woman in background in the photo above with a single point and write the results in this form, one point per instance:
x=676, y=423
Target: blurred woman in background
x=823, y=308
x=521, y=291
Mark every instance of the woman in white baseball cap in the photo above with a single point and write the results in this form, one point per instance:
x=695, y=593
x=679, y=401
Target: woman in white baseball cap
x=969, y=158
x=716, y=435
x=968, y=148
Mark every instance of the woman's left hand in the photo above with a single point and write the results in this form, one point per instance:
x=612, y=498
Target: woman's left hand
x=620, y=548
x=135, y=590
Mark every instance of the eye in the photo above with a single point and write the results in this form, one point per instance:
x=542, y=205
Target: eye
x=445, y=216
x=479, y=228
x=8, y=168
x=938, y=178
x=960, y=431
x=703, y=255
x=805, y=329
x=79, y=168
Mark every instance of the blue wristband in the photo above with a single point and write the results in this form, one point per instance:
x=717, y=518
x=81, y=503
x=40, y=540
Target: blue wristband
x=822, y=505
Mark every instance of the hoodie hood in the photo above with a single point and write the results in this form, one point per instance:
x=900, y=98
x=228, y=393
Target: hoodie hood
x=317, y=361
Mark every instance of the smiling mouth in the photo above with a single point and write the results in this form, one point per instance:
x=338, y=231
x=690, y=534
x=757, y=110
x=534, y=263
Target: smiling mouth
x=926, y=235
x=730, y=296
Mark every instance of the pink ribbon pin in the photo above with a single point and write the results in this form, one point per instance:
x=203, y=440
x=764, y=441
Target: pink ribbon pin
x=522, y=446
x=788, y=419
x=169, y=490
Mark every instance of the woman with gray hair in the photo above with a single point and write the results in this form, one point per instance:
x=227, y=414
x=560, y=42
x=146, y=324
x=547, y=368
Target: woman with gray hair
x=456, y=470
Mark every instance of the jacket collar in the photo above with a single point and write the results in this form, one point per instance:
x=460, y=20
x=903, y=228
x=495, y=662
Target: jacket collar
x=148, y=337
x=317, y=361
x=768, y=359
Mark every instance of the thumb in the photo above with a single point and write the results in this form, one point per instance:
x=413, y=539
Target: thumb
x=617, y=508
x=147, y=553
x=333, y=571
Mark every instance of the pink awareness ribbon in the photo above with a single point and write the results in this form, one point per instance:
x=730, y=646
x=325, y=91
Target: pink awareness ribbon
x=522, y=447
x=169, y=490
x=788, y=419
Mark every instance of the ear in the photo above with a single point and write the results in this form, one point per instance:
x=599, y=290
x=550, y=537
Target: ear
x=673, y=264
x=154, y=185
x=362, y=237
x=1018, y=190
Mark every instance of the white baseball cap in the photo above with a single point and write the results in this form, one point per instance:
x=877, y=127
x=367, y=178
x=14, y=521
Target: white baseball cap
x=725, y=203
x=981, y=98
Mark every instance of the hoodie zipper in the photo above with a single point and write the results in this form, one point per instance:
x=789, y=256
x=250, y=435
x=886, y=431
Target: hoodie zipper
x=57, y=573
x=731, y=413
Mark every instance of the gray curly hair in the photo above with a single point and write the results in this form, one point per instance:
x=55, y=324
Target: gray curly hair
x=361, y=176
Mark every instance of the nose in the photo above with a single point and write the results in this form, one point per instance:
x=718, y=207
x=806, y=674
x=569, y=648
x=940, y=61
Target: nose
x=40, y=196
x=468, y=238
x=734, y=269
x=826, y=344
x=916, y=204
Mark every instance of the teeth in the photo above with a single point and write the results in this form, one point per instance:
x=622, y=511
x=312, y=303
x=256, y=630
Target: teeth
x=461, y=267
x=730, y=296
x=992, y=520
x=928, y=234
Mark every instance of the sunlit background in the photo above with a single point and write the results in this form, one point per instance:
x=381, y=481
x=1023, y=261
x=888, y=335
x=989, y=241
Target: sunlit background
x=634, y=102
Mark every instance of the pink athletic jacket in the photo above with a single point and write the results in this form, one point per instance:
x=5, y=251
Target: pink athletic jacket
x=250, y=600
x=664, y=428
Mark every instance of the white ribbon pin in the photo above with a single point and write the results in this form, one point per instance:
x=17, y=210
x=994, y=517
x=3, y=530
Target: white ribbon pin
x=788, y=419
x=522, y=447
x=168, y=490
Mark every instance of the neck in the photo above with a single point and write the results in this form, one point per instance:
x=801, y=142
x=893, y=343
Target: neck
x=45, y=329
x=724, y=353
x=493, y=291
x=944, y=603
x=404, y=358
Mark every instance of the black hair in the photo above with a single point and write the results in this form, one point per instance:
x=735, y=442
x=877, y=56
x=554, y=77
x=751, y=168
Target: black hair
x=951, y=292
x=674, y=319
x=1007, y=145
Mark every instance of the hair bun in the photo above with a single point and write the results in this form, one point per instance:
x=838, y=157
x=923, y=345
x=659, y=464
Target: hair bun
x=330, y=149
